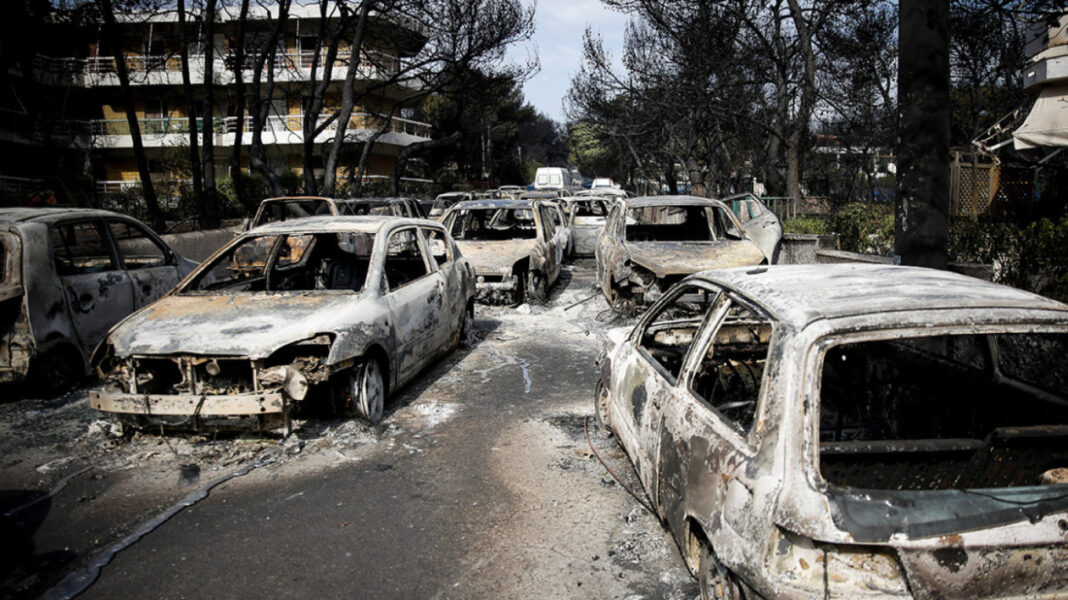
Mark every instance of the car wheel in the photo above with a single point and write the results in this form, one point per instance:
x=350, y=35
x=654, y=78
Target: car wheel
x=537, y=286
x=55, y=371
x=716, y=581
x=600, y=406
x=467, y=324
x=367, y=391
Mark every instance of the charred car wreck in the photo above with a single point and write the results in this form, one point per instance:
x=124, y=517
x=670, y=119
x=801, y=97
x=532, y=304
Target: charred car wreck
x=516, y=246
x=889, y=432
x=650, y=243
x=355, y=305
x=68, y=275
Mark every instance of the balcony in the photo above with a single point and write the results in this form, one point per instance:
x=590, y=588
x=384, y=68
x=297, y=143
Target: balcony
x=278, y=129
x=167, y=69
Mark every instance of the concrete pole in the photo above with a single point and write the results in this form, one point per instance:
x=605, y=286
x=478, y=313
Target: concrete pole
x=922, y=224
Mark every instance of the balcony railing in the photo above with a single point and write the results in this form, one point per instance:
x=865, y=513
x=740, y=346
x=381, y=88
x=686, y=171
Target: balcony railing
x=276, y=124
x=383, y=64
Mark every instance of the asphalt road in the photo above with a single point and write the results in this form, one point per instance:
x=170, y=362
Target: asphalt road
x=478, y=484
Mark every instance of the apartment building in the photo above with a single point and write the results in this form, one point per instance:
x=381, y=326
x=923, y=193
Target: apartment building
x=151, y=49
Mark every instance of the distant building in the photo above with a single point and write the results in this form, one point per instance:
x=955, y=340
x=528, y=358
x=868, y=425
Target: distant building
x=96, y=123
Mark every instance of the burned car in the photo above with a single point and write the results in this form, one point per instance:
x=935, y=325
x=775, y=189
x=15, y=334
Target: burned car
x=356, y=306
x=587, y=216
x=284, y=208
x=69, y=274
x=852, y=431
x=761, y=224
x=650, y=243
x=516, y=246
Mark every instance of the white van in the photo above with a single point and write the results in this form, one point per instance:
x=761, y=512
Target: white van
x=552, y=178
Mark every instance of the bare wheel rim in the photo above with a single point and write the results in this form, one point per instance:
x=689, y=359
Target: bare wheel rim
x=371, y=391
x=467, y=324
x=715, y=581
x=536, y=286
x=600, y=406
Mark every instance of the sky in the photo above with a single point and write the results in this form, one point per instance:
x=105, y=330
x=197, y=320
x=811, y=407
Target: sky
x=558, y=29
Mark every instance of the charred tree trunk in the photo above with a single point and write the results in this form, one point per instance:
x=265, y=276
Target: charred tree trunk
x=111, y=33
x=209, y=218
x=922, y=224
x=191, y=109
x=240, y=102
x=348, y=102
x=261, y=102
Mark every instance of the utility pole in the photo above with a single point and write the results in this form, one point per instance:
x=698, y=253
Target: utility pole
x=922, y=223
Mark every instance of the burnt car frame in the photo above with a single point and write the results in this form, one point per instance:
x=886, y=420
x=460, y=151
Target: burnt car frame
x=283, y=208
x=516, y=246
x=68, y=275
x=358, y=305
x=587, y=215
x=650, y=243
x=887, y=432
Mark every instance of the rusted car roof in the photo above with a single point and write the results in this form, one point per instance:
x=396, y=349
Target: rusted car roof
x=801, y=294
x=328, y=223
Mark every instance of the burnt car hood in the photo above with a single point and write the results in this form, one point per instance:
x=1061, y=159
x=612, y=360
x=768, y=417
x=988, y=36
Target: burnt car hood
x=683, y=258
x=496, y=257
x=248, y=325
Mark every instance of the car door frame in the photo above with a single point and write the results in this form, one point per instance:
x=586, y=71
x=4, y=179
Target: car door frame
x=717, y=466
x=142, y=297
x=642, y=369
x=88, y=317
x=405, y=299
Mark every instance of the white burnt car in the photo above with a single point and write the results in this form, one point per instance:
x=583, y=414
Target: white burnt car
x=358, y=305
x=851, y=431
x=516, y=246
x=650, y=243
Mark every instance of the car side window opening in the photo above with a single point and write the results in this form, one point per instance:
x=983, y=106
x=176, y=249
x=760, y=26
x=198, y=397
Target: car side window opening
x=724, y=226
x=136, y=248
x=944, y=412
x=81, y=248
x=298, y=262
x=494, y=224
x=404, y=259
x=731, y=372
x=669, y=334
x=439, y=246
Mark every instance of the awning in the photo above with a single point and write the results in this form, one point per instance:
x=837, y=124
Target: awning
x=1047, y=125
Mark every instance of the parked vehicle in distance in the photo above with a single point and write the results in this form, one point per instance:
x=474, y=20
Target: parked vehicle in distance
x=516, y=246
x=587, y=215
x=444, y=201
x=759, y=222
x=69, y=274
x=355, y=305
x=650, y=243
x=552, y=178
x=600, y=183
x=510, y=191
x=272, y=210
x=889, y=432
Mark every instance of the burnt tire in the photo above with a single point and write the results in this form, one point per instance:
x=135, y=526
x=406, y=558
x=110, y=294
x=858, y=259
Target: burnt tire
x=365, y=392
x=600, y=407
x=467, y=325
x=715, y=581
x=537, y=287
x=55, y=371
